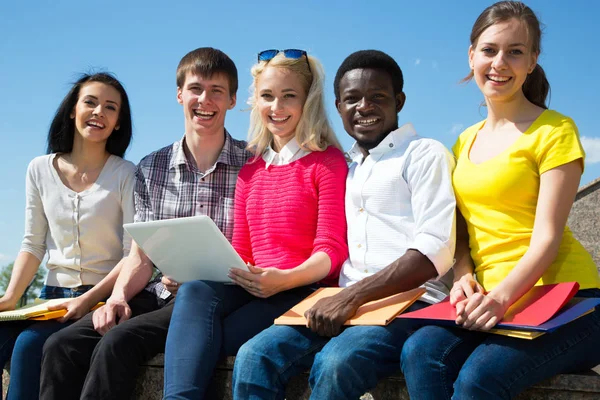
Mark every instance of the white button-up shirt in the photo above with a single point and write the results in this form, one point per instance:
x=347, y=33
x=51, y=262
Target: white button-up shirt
x=400, y=197
x=288, y=153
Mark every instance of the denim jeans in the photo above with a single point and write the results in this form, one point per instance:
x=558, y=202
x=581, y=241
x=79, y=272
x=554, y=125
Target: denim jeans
x=22, y=342
x=212, y=320
x=453, y=363
x=343, y=367
x=80, y=363
x=56, y=292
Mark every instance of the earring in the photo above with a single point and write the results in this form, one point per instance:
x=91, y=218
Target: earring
x=117, y=128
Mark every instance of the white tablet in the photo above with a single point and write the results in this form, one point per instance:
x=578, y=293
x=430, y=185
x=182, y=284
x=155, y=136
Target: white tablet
x=187, y=249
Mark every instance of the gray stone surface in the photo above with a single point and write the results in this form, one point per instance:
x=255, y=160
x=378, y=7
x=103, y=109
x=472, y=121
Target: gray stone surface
x=584, y=218
x=568, y=386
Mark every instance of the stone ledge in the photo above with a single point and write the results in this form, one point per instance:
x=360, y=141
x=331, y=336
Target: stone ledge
x=583, y=386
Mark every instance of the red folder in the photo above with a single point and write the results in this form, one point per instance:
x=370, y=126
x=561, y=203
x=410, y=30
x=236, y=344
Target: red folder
x=534, y=308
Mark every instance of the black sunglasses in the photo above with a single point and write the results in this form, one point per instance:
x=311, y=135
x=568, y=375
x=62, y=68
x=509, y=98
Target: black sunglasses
x=268, y=55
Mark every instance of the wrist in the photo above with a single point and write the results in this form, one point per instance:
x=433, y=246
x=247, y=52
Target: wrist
x=501, y=297
x=353, y=297
x=10, y=297
x=117, y=297
x=464, y=274
x=9, y=300
x=288, y=279
x=88, y=300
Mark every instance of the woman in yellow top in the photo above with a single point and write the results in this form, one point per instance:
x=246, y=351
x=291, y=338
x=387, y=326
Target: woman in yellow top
x=515, y=180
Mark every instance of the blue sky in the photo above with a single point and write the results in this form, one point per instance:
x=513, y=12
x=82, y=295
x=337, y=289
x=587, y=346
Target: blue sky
x=46, y=43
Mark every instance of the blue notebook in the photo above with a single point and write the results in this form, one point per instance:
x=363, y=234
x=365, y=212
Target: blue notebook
x=574, y=309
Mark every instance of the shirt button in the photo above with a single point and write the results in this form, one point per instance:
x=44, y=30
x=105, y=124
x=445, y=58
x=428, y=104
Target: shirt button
x=359, y=245
x=391, y=144
x=366, y=271
x=361, y=209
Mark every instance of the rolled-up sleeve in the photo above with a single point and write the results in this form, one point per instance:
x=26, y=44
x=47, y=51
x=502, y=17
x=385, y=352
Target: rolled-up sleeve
x=429, y=176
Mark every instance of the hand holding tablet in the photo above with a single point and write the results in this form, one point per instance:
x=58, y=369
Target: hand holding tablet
x=187, y=249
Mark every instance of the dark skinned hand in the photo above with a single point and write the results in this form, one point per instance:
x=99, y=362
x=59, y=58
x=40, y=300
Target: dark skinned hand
x=328, y=315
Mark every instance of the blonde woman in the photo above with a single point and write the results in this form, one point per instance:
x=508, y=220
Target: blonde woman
x=289, y=224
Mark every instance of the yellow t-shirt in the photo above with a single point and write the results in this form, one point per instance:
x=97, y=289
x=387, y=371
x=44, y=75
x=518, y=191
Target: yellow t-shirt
x=498, y=199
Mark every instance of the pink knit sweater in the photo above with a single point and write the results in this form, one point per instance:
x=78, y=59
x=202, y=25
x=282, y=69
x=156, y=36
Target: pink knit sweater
x=286, y=213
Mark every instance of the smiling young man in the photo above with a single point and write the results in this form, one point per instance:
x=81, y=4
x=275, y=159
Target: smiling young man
x=400, y=209
x=98, y=357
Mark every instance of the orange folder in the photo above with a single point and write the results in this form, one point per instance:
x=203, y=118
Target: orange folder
x=379, y=312
x=48, y=315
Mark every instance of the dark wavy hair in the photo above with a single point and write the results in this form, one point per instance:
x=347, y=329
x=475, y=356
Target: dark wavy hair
x=62, y=128
x=536, y=86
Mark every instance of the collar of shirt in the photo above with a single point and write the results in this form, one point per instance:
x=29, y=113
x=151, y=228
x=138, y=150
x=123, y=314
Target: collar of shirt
x=288, y=153
x=230, y=155
x=389, y=143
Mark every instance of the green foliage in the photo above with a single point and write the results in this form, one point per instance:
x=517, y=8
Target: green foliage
x=33, y=290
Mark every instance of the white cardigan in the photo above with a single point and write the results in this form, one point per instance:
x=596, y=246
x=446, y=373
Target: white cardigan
x=82, y=232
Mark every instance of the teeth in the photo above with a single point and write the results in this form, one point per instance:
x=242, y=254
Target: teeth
x=280, y=119
x=498, y=78
x=369, y=121
x=96, y=124
x=204, y=113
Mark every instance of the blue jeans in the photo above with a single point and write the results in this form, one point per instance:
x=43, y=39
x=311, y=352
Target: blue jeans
x=212, y=320
x=343, y=367
x=22, y=342
x=453, y=363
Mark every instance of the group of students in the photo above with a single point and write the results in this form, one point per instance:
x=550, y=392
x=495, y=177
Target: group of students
x=489, y=222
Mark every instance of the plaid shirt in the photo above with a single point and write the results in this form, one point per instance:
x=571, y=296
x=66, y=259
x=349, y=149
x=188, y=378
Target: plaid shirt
x=168, y=185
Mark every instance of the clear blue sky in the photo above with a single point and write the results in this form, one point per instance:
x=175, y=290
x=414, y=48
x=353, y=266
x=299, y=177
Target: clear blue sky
x=45, y=43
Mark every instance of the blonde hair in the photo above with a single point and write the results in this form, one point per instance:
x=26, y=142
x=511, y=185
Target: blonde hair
x=313, y=131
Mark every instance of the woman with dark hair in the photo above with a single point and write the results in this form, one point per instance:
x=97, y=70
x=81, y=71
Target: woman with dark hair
x=516, y=178
x=77, y=198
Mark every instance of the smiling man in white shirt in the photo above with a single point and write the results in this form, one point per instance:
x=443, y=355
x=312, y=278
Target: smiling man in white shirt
x=400, y=209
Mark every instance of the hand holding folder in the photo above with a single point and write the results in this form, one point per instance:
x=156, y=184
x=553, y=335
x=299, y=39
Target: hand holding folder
x=378, y=312
x=38, y=311
x=542, y=309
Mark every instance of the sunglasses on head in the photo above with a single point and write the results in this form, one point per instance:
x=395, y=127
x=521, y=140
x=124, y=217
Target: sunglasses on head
x=268, y=55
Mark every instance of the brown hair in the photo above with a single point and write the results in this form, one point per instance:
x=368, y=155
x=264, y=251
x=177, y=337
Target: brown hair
x=205, y=61
x=536, y=86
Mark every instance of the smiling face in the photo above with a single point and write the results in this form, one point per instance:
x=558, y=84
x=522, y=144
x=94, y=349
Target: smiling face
x=501, y=60
x=96, y=112
x=280, y=100
x=205, y=102
x=368, y=106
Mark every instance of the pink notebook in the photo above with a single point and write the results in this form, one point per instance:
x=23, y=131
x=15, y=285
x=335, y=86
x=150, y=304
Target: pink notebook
x=534, y=308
